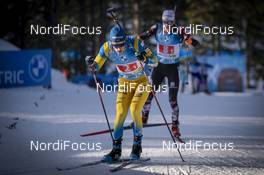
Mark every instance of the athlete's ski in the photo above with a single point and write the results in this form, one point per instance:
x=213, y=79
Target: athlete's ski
x=90, y=164
x=79, y=166
x=125, y=128
x=126, y=163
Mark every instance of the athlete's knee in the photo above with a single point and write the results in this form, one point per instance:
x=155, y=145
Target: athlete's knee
x=149, y=99
x=120, y=115
x=174, y=105
x=120, y=109
x=173, y=97
x=146, y=108
x=135, y=111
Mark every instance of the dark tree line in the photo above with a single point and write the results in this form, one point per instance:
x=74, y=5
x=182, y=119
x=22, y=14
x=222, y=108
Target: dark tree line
x=136, y=15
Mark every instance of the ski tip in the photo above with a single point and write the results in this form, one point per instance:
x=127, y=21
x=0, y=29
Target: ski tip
x=85, y=135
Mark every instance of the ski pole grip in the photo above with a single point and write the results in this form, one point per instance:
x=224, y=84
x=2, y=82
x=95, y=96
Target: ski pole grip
x=195, y=42
x=113, y=9
x=89, y=60
x=90, y=63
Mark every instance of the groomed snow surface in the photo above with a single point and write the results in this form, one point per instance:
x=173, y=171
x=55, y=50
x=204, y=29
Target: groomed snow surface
x=233, y=123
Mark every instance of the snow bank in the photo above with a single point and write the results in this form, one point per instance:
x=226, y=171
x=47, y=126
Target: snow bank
x=66, y=100
x=63, y=98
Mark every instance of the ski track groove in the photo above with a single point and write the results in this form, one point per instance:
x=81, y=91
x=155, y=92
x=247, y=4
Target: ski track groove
x=209, y=161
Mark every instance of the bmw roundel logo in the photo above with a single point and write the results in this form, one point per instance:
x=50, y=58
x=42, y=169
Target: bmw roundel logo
x=38, y=68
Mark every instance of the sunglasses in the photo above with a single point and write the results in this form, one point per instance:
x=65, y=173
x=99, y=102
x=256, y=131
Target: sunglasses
x=118, y=45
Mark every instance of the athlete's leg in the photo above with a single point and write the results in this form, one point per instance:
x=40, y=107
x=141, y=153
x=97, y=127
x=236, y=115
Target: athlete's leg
x=138, y=100
x=157, y=77
x=123, y=100
x=137, y=103
x=173, y=81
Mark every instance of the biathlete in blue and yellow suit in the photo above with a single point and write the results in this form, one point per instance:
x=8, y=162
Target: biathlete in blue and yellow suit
x=132, y=62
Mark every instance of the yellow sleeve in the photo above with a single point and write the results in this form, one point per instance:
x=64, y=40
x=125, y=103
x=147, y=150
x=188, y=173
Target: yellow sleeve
x=99, y=61
x=102, y=56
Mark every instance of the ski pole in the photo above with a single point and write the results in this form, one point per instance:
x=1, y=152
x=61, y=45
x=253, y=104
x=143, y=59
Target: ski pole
x=162, y=114
x=88, y=59
x=112, y=11
x=165, y=120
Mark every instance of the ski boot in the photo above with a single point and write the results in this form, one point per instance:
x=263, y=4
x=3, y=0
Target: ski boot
x=115, y=153
x=175, y=129
x=136, y=149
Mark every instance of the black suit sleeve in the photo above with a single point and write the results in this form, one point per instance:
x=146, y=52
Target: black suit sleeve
x=147, y=34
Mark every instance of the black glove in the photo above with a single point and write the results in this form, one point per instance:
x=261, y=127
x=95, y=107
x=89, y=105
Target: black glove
x=141, y=56
x=89, y=60
x=195, y=42
x=90, y=63
x=191, y=41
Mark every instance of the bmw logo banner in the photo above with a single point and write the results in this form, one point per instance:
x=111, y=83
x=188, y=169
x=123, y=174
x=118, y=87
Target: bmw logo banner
x=25, y=68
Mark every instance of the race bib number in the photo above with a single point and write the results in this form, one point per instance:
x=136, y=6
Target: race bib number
x=129, y=68
x=168, y=51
